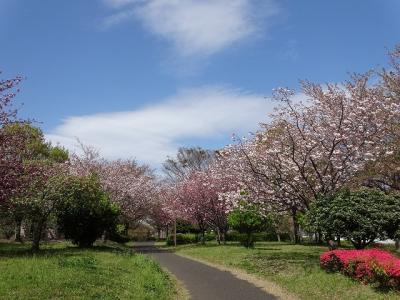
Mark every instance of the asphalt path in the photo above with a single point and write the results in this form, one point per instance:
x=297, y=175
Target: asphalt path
x=202, y=281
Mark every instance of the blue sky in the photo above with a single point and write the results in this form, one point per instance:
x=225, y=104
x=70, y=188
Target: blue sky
x=139, y=78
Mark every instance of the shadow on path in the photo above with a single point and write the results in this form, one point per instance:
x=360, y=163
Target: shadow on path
x=204, y=282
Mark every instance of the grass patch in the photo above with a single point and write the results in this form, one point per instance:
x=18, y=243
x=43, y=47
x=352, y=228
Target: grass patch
x=61, y=271
x=295, y=268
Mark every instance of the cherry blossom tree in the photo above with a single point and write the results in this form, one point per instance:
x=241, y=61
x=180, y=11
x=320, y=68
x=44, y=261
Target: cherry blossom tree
x=191, y=201
x=203, y=201
x=241, y=178
x=7, y=94
x=165, y=208
x=36, y=156
x=318, y=146
x=10, y=144
x=130, y=185
x=384, y=173
x=313, y=149
x=160, y=218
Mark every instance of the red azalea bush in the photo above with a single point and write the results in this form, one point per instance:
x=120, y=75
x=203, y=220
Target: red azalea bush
x=369, y=266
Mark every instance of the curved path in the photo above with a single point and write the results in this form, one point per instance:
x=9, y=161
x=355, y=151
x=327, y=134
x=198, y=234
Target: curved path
x=204, y=282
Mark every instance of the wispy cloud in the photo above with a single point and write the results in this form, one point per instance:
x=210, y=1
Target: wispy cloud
x=119, y=3
x=197, y=27
x=152, y=133
x=117, y=18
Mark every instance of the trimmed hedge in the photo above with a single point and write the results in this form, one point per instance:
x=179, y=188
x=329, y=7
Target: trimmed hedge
x=182, y=239
x=235, y=236
x=189, y=238
x=232, y=236
x=369, y=266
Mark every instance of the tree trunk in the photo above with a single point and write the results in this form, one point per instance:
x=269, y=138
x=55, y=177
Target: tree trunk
x=338, y=240
x=37, y=235
x=318, y=237
x=223, y=237
x=175, y=232
x=203, y=237
x=278, y=236
x=126, y=228
x=218, y=236
x=18, y=228
x=296, y=227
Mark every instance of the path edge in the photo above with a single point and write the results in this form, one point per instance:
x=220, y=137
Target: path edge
x=267, y=286
x=181, y=292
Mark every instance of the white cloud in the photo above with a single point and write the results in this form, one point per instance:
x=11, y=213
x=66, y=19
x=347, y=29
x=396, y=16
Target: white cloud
x=119, y=3
x=152, y=133
x=197, y=27
x=117, y=18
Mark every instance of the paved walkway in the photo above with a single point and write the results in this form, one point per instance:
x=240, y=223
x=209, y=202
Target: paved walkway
x=204, y=282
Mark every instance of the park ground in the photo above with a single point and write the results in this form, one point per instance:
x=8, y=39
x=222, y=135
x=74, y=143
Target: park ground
x=293, y=268
x=62, y=271
x=111, y=271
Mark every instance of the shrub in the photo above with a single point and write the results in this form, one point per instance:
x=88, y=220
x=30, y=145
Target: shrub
x=183, y=226
x=209, y=237
x=369, y=266
x=360, y=216
x=86, y=212
x=182, y=239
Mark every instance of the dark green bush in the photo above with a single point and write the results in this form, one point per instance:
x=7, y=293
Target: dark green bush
x=361, y=216
x=85, y=213
x=210, y=237
x=117, y=237
x=183, y=226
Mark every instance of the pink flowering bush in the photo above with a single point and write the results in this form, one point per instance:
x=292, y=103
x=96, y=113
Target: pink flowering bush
x=369, y=266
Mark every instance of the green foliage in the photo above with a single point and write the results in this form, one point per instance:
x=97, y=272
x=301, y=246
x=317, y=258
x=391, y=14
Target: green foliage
x=360, y=216
x=208, y=237
x=183, y=226
x=392, y=216
x=36, y=148
x=117, y=234
x=86, y=212
x=7, y=225
x=247, y=218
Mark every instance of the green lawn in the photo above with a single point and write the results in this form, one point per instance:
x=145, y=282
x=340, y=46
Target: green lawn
x=61, y=271
x=295, y=268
